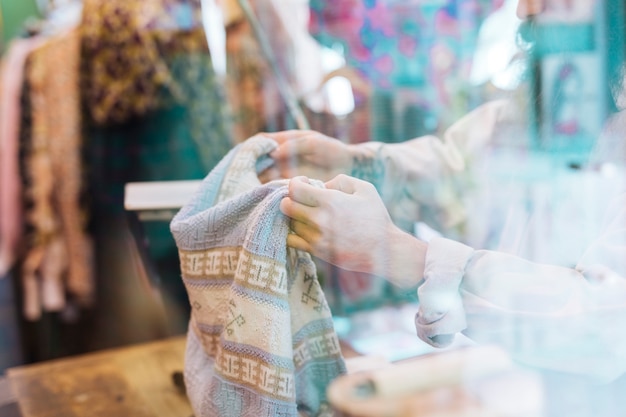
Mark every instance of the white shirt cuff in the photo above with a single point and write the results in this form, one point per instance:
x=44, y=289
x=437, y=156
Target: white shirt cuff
x=441, y=315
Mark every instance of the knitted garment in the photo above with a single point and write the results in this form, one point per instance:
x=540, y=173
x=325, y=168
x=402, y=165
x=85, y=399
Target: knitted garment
x=261, y=341
x=56, y=268
x=11, y=203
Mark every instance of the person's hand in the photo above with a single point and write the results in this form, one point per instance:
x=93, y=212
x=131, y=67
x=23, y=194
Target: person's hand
x=346, y=224
x=343, y=224
x=308, y=153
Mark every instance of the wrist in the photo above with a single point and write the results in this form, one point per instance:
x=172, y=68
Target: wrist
x=406, y=259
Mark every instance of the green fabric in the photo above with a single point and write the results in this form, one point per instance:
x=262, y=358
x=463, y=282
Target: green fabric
x=14, y=14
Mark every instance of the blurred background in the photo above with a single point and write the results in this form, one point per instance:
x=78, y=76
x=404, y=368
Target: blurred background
x=99, y=93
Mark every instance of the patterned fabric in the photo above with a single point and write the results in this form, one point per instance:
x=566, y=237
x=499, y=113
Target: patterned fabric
x=422, y=47
x=141, y=56
x=11, y=206
x=261, y=341
x=126, y=45
x=59, y=252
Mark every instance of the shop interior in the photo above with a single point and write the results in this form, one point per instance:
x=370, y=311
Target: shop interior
x=113, y=112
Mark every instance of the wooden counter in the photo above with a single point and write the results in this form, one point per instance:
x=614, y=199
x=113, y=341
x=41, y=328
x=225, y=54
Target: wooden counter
x=134, y=381
x=131, y=381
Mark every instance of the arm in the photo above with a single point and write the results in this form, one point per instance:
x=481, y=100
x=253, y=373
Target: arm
x=567, y=319
x=425, y=178
x=421, y=174
x=347, y=225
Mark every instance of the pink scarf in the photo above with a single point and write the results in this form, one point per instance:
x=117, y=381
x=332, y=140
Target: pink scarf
x=11, y=82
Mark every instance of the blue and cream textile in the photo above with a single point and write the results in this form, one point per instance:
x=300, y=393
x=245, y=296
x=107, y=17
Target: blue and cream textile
x=261, y=341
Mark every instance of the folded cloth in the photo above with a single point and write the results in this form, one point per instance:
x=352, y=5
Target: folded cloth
x=261, y=340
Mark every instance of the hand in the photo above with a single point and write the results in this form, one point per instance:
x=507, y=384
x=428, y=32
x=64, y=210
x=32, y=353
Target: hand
x=309, y=153
x=346, y=224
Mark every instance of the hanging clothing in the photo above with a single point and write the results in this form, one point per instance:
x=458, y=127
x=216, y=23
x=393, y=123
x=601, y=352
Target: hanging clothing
x=126, y=46
x=168, y=120
x=261, y=340
x=139, y=57
x=11, y=201
x=416, y=55
x=58, y=259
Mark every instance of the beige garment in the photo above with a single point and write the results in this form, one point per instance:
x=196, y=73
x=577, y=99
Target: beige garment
x=11, y=84
x=59, y=257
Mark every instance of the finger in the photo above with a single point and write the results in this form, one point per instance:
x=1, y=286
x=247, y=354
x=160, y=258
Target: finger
x=297, y=147
x=310, y=239
x=343, y=183
x=296, y=211
x=302, y=191
x=286, y=135
x=296, y=242
x=310, y=233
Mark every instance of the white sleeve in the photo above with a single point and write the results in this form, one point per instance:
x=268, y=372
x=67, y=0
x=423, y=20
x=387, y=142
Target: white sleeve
x=427, y=174
x=566, y=319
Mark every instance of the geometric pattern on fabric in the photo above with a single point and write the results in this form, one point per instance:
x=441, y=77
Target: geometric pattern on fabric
x=261, y=340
